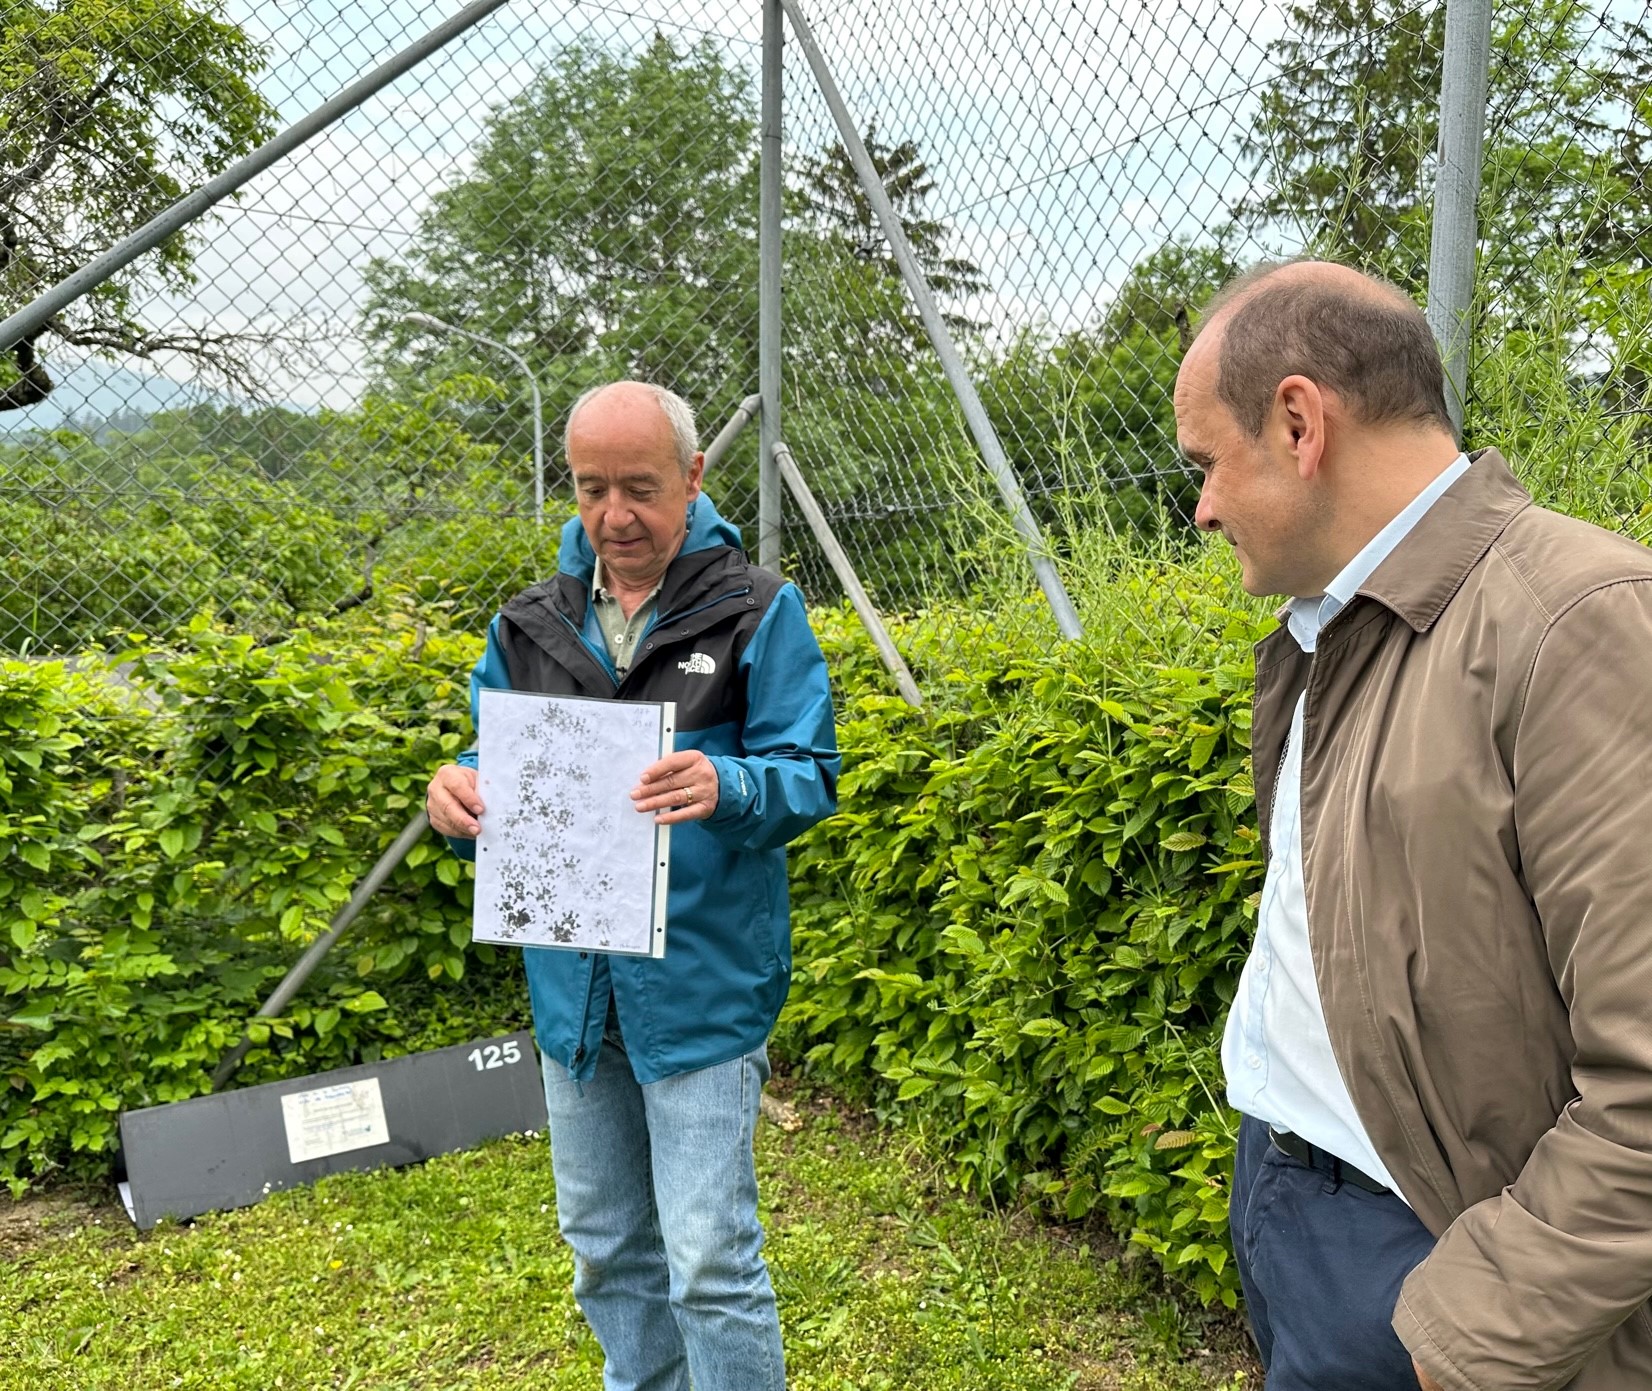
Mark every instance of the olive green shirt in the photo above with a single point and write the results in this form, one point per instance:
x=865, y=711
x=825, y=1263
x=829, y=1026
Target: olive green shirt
x=622, y=634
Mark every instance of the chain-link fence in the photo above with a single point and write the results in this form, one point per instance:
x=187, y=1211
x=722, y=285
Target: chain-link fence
x=324, y=390
x=323, y=393
x=1560, y=349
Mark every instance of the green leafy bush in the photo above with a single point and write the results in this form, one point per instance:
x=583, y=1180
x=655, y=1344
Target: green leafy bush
x=1020, y=935
x=1023, y=931
x=174, y=830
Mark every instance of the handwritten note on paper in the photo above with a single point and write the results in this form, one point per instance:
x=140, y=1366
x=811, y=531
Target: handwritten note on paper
x=564, y=859
x=334, y=1120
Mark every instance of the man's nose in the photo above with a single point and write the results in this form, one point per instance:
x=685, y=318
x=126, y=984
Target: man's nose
x=1204, y=516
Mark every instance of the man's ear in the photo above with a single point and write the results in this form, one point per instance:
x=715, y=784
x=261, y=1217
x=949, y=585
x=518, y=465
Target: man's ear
x=1299, y=418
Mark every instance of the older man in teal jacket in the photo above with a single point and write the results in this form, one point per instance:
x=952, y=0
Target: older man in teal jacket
x=654, y=1068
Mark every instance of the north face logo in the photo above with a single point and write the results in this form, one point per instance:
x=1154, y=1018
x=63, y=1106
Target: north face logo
x=698, y=664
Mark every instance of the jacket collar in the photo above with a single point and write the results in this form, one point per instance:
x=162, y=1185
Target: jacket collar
x=697, y=576
x=1420, y=575
x=1427, y=568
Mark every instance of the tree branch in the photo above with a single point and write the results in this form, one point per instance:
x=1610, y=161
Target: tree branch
x=67, y=107
x=32, y=386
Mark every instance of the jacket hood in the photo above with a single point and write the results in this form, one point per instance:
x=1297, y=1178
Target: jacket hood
x=706, y=529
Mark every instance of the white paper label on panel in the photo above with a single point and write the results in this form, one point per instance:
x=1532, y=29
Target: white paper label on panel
x=334, y=1120
x=564, y=858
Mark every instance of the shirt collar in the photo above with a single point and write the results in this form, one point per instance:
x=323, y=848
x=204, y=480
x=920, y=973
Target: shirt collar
x=1306, y=617
x=601, y=591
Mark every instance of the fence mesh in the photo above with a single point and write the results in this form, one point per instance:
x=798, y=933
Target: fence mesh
x=249, y=425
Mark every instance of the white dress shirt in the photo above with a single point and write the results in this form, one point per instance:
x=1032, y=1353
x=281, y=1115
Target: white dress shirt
x=1277, y=1051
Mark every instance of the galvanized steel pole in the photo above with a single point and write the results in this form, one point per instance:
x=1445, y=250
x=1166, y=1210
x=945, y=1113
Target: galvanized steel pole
x=769, y=320
x=870, y=619
x=29, y=320
x=1455, y=233
x=746, y=412
x=980, y=424
x=317, y=951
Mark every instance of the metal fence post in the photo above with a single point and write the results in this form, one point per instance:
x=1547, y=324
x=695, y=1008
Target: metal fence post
x=769, y=320
x=980, y=424
x=1454, y=241
x=845, y=571
x=316, y=952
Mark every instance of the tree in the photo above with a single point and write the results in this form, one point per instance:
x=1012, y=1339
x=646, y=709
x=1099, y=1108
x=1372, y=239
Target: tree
x=837, y=208
x=1344, y=139
x=606, y=226
x=114, y=110
x=1090, y=416
x=868, y=410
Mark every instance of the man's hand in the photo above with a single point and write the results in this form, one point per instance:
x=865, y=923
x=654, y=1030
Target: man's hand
x=680, y=787
x=452, y=802
x=1423, y=1379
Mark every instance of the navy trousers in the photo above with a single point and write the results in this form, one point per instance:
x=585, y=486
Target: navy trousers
x=1321, y=1264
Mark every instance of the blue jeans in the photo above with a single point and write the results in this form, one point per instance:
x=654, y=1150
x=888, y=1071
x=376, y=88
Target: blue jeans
x=1321, y=1264
x=656, y=1192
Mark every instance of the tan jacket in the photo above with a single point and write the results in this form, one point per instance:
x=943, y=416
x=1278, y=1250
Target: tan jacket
x=1476, y=786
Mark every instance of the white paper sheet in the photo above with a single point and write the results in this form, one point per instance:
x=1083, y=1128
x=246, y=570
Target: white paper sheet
x=564, y=858
x=334, y=1120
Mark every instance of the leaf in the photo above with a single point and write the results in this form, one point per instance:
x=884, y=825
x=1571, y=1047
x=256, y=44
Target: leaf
x=366, y=1001
x=1043, y=1028
x=1175, y=1140
x=1183, y=840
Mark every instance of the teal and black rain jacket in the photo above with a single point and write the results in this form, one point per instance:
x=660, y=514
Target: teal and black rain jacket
x=731, y=645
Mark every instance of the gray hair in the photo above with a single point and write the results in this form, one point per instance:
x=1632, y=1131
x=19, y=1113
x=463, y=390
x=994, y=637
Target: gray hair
x=679, y=415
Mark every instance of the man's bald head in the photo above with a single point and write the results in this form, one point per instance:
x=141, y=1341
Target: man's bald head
x=1350, y=333
x=637, y=406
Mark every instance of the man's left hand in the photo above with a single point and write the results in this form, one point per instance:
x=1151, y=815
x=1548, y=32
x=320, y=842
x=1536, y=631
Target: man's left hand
x=680, y=787
x=1423, y=1379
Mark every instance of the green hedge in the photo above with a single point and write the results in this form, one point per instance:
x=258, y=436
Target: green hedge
x=173, y=831
x=1022, y=932
x=1019, y=936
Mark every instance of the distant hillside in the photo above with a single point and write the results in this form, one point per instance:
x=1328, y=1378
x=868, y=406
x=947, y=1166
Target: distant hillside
x=99, y=393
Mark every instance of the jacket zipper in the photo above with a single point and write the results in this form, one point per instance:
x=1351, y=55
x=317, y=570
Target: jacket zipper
x=617, y=682
x=1285, y=750
x=1278, y=777
x=701, y=608
x=642, y=657
x=579, y=638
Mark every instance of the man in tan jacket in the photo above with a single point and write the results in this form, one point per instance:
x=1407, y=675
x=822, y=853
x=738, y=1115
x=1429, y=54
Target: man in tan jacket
x=1442, y=1040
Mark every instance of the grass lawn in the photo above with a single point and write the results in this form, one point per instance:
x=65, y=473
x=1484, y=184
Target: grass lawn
x=451, y=1275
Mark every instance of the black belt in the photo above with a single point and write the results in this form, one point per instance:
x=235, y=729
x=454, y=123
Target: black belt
x=1322, y=1161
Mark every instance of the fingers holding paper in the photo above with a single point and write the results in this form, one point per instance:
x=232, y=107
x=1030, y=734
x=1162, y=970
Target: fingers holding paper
x=453, y=803
x=680, y=787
